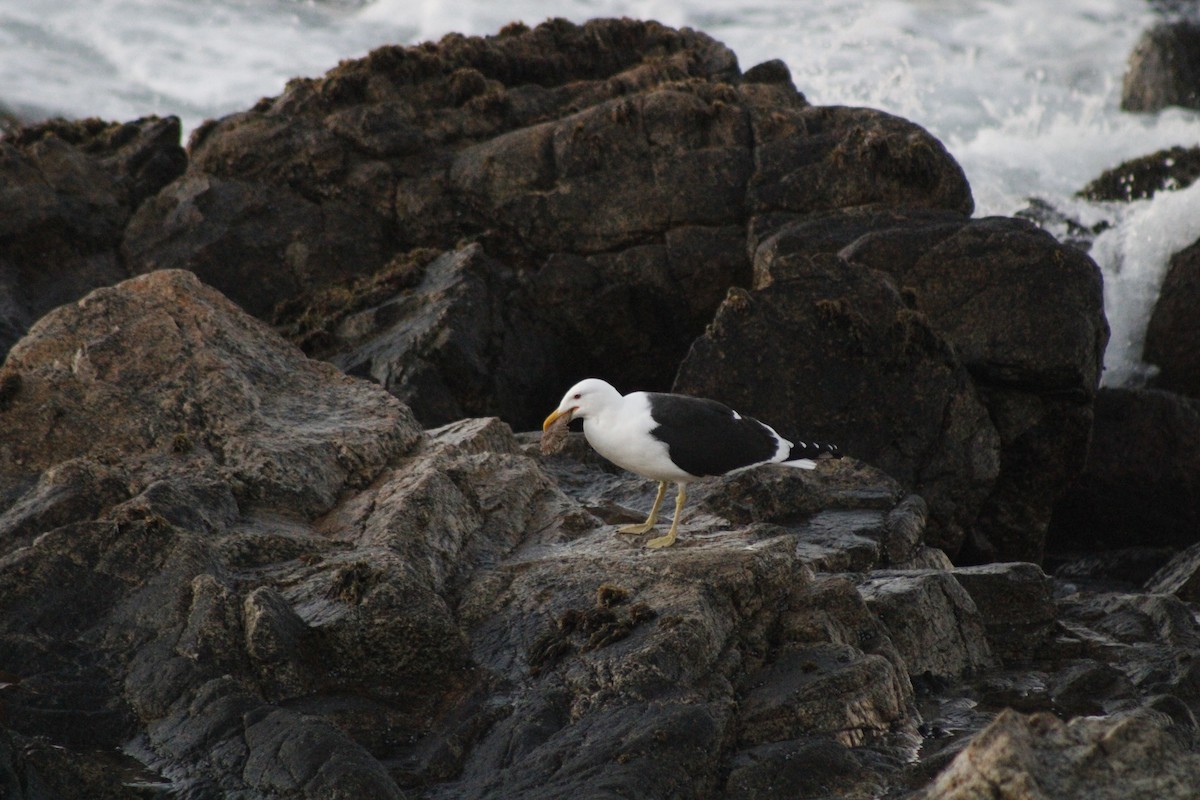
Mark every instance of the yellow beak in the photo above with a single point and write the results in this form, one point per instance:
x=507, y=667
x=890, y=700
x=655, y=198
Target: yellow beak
x=555, y=415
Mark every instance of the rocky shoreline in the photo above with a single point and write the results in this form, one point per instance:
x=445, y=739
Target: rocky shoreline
x=266, y=529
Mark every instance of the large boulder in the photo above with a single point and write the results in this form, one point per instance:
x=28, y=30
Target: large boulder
x=607, y=163
x=1022, y=311
x=208, y=440
x=829, y=351
x=1025, y=315
x=67, y=190
x=607, y=171
x=1020, y=315
x=163, y=372
x=1164, y=68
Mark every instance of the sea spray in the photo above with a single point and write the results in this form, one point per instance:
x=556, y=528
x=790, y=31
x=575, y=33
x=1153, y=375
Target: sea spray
x=1134, y=254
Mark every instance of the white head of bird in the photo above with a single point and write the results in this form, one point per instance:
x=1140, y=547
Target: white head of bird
x=585, y=400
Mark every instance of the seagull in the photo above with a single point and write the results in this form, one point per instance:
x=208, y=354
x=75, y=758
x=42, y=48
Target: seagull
x=675, y=438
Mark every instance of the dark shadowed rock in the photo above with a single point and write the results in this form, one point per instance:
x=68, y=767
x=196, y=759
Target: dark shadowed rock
x=1045, y=442
x=1022, y=310
x=815, y=350
x=903, y=235
x=1141, y=484
x=1164, y=68
x=453, y=341
x=67, y=190
x=988, y=287
x=1118, y=569
x=1025, y=316
x=141, y=156
x=259, y=244
x=33, y=768
x=463, y=334
x=1141, y=636
x=1173, y=333
x=1019, y=757
x=634, y=313
x=1015, y=605
x=811, y=767
x=1086, y=687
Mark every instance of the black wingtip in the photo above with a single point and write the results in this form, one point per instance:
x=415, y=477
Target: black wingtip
x=814, y=450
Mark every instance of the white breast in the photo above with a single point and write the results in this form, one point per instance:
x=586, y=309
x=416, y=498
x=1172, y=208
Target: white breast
x=622, y=435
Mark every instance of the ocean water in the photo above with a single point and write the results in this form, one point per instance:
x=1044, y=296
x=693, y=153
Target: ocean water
x=1025, y=94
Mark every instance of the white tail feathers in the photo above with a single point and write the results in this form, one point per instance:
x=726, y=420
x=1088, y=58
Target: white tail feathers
x=800, y=463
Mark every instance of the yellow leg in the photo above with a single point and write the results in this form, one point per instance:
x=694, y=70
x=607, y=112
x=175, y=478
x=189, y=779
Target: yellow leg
x=669, y=539
x=653, y=518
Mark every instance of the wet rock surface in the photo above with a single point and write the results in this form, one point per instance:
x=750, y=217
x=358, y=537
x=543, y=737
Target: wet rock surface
x=231, y=565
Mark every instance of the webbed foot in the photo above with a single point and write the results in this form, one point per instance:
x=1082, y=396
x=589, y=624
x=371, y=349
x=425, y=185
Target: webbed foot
x=662, y=541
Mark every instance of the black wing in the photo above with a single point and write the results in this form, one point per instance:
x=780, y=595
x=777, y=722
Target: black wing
x=704, y=437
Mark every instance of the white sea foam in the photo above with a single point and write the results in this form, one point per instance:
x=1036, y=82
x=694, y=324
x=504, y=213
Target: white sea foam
x=1024, y=94
x=1136, y=252
x=121, y=59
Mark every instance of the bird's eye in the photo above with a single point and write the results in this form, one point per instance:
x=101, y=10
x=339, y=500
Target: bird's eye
x=576, y=396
